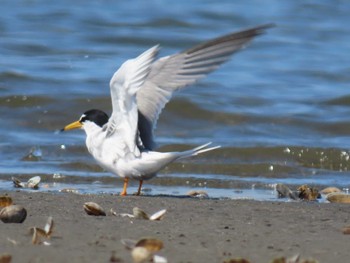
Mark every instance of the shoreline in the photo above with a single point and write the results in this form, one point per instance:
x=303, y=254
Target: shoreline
x=193, y=230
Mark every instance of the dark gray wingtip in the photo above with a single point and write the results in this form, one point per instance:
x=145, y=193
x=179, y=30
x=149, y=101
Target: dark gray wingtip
x=262, y=28
x=243, y=36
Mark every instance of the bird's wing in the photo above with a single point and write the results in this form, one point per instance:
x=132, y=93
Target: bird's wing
x=175, y=72
x=124, y=85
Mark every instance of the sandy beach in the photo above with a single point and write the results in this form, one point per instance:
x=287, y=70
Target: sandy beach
x=193, y=230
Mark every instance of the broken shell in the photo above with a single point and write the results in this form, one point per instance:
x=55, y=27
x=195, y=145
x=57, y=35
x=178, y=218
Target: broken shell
x=151, y=244
x=37, y=233
x=141, y=255
x=139, y=214
x=34, y=182
x=17, y=183
x=158, y=215
x=329, y=190
x=114, y=213
x=49, y=226
x=13, y=214
x=338, y=198
x=94, y=209
x=198, y=194
x=69, y=190
x=5, y=200
x=126, y=215
x=284, y=192
x=5, y=258
x=46, y=232
x=129, y=243
x=159, y=259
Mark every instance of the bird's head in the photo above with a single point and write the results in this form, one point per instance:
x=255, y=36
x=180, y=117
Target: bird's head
x=96, y=116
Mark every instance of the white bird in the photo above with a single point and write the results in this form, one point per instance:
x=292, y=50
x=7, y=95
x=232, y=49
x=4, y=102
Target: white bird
x=123, y=144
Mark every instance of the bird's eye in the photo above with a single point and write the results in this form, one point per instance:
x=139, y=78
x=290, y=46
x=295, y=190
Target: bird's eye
x=83, y=118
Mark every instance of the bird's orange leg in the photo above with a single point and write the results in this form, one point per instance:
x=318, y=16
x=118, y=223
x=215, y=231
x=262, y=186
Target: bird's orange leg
x=140, y=186
x=126, y=181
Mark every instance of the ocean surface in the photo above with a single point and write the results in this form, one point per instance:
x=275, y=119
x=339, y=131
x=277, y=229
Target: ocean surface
x=280, y=108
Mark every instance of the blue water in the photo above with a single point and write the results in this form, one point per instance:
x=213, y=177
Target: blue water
x=280, y=108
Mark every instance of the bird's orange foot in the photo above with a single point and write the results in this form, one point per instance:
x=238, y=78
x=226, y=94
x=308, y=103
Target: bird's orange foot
x=126, y=181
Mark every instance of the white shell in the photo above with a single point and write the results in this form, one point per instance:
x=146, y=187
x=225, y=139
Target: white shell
x=49, y=226
x=159, y=259
x=34, y=182
x=141, y=255
x=126, y=215
x=158, y=215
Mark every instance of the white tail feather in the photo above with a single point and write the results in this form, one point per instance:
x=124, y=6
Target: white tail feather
x=198, y=150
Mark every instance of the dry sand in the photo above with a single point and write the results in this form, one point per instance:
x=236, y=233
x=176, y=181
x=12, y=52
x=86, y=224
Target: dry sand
x=193, y=230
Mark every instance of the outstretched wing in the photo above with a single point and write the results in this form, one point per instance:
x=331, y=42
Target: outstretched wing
x=172, y=73
x=124, y=85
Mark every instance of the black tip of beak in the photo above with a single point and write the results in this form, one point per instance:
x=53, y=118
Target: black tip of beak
x=61, y=130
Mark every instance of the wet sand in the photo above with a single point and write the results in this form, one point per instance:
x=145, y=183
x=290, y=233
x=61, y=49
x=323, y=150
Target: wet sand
x=193, y=230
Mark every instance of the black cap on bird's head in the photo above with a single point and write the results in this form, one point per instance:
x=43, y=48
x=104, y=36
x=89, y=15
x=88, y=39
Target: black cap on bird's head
x=99, y=117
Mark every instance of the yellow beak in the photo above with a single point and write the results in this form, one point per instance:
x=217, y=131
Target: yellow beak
x=73, y=125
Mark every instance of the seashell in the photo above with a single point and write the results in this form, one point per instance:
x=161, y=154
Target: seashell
x=125, y=215
x=151, y=244
x=17, y=183
x=49, y=226
x=144, y=249
x=69, y=190
x=346, y=230
x=284, y=192
x=329, y=190
x=13, y=214
x=34, y=182
x=141, y=255
x=94, y=209
x=113, y=212
x=338, y=198
x=5, y=200
x=198, y=194
x=5, y=258
x=158, y=215
x=129, y=243
x=139, y=214
x=159, y=259
x=308, y=193
x=38, y=233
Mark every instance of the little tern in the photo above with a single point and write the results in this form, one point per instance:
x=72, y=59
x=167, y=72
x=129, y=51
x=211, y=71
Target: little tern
x=124, y=143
